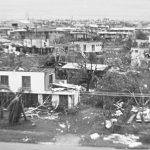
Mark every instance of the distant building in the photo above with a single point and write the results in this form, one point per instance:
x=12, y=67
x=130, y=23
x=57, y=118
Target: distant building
x=122, y=30
x=80, y=35
x=90, y=47
x=9, y=48
x=144, y=29
x=48, y=34
x=76, y=66
x=142, y=43
x=112, y=35
x=4, y=32
x=137, y=56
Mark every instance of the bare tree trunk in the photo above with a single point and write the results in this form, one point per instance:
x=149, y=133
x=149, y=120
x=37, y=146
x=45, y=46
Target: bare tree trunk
x=88, y=81
x=88, y=86
x=24, y=115
x=1, y=112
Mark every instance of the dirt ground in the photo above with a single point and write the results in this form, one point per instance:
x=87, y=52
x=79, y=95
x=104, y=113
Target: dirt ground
x=67, y=129
x=46, y=129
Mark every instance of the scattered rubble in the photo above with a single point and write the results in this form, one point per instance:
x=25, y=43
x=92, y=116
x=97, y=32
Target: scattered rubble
x=109, y=123
x=68, y=124
x=94, y=136
x=33, y=124
x=26, y=139
x=62, y=125
x=129, y=140
x=44, y=111
x=136, y=113
x=52, y=117
x=41, y=114
x=118, y=113
x=143, y=113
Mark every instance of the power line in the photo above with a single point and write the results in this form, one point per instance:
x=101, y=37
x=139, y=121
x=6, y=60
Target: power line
x=116, y=94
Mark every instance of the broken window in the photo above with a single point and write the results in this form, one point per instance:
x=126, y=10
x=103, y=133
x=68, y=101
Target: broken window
x=93, y=47
x=4, y=80
x=26, y=82
x=51, y=78
x=63, y=102
x=84, y=47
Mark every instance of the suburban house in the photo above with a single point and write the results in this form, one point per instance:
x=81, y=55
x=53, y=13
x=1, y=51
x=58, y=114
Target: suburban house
x=112, y=35
x=4, y=32
x=138, y=56
x=37, y=84
x=74, y=70
x=50, y=34
x=124, y=29
x=143, y=29
x=77, y=66
x=79, y=35
x=115, y=33
x=90, y=47
x=10, y=48
x=142, y=43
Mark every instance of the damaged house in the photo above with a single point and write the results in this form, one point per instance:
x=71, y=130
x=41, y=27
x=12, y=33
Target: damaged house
x=37, y=85
x=75, y=72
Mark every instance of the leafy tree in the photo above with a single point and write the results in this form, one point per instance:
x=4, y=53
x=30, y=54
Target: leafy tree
x=125, y=60
x=85, y=73
x=141, y=35
x=88, y=73
x=101, y=59
x=121, y=60
x=127, y=45
x=92, y=58
x=120, y=82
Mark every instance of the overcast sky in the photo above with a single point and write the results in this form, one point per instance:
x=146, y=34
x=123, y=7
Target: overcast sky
x=122, y=9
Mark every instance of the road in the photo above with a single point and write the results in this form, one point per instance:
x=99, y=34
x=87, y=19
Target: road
x=16, y=146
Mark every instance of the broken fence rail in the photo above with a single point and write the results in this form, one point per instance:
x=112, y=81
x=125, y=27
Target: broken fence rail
x=116, y=94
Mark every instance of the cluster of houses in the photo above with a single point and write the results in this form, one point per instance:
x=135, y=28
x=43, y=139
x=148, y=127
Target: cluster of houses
x=40, y=35
x=39, y=83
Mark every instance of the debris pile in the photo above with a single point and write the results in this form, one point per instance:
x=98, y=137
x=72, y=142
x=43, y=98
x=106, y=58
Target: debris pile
x=141, y=113
x=26, y=139
x=129, y=140
x=94, y=136
x=41, y=114
x=44, y=111
x=127, y=115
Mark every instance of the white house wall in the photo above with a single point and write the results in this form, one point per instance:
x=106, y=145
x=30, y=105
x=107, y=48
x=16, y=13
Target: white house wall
x=76, y=98
x=98, y=46
x=73, y=100
x=70, y=99
x=55, y=100
x=15, y=80
x=38, y=87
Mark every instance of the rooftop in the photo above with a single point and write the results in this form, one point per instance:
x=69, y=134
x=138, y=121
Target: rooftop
x=24, y=69
x=107, y=32
x=124, y=28
x=99, y=67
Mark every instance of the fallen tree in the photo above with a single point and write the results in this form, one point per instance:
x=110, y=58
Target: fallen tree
x=15, y=109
